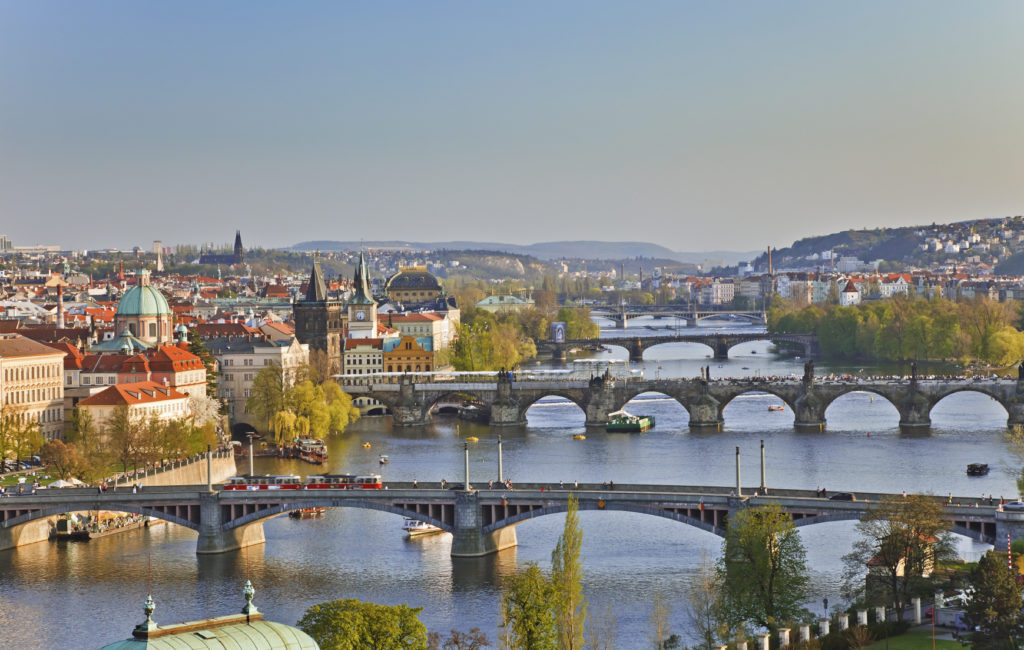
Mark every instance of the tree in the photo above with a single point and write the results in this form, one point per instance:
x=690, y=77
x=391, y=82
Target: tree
x=902, y=538
x=601, y=630
x=995, y=604
x=198, y=348
x=528, y=619
x=61, y=459
x=472, y=640
x=351, y=624
x=268, y=393
x=763, y=568
x=567, y=578
x=703, y=603
x=124, y=435
x=661, y=635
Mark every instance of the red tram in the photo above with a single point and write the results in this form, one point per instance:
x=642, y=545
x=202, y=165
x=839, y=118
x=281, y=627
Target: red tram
x=263, y=483
x=291, y=482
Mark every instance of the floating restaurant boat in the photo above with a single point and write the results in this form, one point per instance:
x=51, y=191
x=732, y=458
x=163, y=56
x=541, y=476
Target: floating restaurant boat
x=977, y=469
x=415, y=528
x=101, y=524
x=623, y=422
x=311, y=450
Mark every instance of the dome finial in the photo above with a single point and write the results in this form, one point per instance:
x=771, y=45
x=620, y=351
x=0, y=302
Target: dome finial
x=149, y=624
x=248, y=592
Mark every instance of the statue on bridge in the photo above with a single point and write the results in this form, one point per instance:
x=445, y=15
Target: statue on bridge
x=809, y=371
x=913, y=371
x=1020, y=372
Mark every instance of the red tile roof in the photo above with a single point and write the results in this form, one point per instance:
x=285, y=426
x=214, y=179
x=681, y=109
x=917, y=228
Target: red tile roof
x=143, y=392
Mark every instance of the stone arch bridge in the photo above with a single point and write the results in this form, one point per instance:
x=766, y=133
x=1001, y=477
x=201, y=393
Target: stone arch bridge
x=506, y=401
x=481, y=521
x=720, y=344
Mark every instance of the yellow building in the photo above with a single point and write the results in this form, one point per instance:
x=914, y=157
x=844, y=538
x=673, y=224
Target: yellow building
x=32, y=383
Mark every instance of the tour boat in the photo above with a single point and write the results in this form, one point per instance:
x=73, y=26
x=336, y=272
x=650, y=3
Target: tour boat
x=307, y=513
x=977, y=469
x=623, y=422
x=311, y=450
x=415, y=528
x=383, y=460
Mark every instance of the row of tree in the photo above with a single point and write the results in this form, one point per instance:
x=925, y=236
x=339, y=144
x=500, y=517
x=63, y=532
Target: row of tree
x=904, y=328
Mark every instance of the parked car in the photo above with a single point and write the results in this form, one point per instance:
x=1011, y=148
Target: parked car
x=842, y=496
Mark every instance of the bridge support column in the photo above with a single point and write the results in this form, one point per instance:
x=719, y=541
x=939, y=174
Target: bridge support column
x=1015, y=408
x=28, y=533
x=1008, y=523
x=599, y=401
x=468, y=538
x=721, y=349
x=213, y=538
x=558, y=352
x=409, y=411
x=809, y=411
x=636, y=351
x=705, y=413
x=915, y=410
x=505, y=409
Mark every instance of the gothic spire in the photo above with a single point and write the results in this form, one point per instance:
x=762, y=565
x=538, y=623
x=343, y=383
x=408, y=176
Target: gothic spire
x=317, y=289
x=362, y=295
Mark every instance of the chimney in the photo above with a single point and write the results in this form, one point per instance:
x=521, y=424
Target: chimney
x=60, y=306
x=771, y=270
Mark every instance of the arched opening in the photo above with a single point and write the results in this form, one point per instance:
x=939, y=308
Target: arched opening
x=241, y=431
x=378, y=410
x=862, y=411
x=555, y=412
x=667, y=411
x=458, y=404
x=757, y=411
x=676, y=351
x=968, y=410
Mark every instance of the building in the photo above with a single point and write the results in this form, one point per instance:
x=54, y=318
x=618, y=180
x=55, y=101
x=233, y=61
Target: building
x=362, y=308
x=412, y=285
x=496, y=304
x=145, y=400
x=245, y=630
x=241, y=359
x=364, y=356
x=849, y=295
x=32, y=384
x=144, y=312
x=229, y=259
x=438, y=326
x=319, y=320
x=408, y=354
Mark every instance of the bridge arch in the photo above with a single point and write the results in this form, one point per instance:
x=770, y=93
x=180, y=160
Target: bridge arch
x=880, y=413
x=765, y=389
x=609, y=506
x=964, y=389
x=637, y=403
x=134, y=508
x=527, y=401
x=326, y=502
x=433, y=400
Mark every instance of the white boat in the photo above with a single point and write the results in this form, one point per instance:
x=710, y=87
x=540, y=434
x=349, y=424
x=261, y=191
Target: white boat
x=415, y=528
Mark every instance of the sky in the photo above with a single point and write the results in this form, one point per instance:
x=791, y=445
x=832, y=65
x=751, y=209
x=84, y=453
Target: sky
x=695, y=125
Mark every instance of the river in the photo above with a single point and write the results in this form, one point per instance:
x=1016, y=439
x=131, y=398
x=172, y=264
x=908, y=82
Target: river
x=54, y=594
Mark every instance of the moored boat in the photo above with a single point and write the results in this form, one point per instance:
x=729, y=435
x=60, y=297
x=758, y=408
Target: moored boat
x=625, y=423
x=100, y=524
x=307, y=513
x=311, y=450
x=415, y=528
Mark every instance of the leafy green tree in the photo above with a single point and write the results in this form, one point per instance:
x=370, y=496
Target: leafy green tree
x=903, y=538
x=61, y=459
x=763, y=568
x=995, y=604
x=124, y=435
x=268, y=393
x=472, y=640
x=567, y=578
x=351, y=624
x=528, y=618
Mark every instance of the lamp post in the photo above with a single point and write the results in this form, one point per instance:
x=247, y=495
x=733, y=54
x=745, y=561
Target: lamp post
x=466, y=448
x=250, y=453
x=500, y=477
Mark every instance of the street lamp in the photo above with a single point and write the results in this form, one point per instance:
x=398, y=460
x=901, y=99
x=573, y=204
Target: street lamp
x=250, y=434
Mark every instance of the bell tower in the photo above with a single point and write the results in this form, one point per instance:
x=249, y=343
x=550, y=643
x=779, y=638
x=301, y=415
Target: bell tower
x=362, y=310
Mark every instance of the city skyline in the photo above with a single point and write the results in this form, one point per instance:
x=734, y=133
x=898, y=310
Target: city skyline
x=726, y=127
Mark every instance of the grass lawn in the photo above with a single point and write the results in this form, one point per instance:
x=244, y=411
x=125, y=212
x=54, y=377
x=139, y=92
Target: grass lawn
x=919, y=638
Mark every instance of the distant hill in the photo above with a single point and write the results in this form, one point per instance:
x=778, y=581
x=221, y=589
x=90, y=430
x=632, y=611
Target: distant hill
x=587, y=250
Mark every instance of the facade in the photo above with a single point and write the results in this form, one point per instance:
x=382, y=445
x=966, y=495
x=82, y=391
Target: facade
x=318, y=320
x=364, y=356
x=241, y=358
x=144, y=312
x=438, y=326
x=849, y=295
x=32, y=384
x=504, y=303
x=145, y=401
x=409, y=354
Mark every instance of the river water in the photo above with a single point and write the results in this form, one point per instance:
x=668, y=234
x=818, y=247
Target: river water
x=89, y=594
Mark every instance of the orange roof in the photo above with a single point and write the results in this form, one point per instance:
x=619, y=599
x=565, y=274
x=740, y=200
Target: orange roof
x=414, y=318
x=143, y=392
x=351, y=344
x=72, y=355
x=16, y=345
x=170, y=358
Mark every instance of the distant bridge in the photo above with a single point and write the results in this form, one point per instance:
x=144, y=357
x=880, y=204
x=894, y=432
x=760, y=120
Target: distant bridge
x=505, y=401
x=720, y=344
x=482, y=521
x=692, y=315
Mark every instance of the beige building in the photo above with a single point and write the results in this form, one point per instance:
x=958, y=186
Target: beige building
x=438, y=326
x=241, y=359
x=32, y=383
x=146, y=400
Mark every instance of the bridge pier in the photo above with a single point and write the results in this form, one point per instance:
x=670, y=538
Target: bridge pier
x=809, y=410
x=915, y=410
x=721, y=349
x=409, y=411
x=1008, y=523
x=636, y=351
x=558, y=352
x=705, y=413
x=468, y=538
x=214, y=538
x=1015, y=407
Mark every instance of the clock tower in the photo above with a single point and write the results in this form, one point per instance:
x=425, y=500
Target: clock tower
x=362, y=310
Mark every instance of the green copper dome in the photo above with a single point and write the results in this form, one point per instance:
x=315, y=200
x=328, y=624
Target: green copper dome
x=143, y=300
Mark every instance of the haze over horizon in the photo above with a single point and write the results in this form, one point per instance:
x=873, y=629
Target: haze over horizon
x=697, y=126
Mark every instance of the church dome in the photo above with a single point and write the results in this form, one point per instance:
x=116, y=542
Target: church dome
x=413, y=278
x=143, y=300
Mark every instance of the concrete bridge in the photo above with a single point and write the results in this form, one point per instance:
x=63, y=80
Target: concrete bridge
x=505, y=401
x=720, y=344
x=481, y=521
x=692, y=315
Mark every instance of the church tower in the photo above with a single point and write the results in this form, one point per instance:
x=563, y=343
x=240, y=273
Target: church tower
x=239, y=251
x=318, y=320
x=362, y=310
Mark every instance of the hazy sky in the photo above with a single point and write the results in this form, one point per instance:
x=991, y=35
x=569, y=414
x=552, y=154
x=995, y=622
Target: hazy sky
x=696, y=125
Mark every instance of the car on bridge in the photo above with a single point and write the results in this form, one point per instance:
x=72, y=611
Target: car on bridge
x=843, y=496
